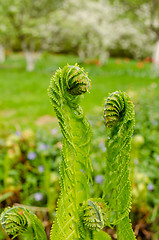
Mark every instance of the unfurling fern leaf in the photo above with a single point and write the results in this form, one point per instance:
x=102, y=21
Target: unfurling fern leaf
x=18, y=220
x=92, y=215
x=119, y=120
x=78, y=216
x=64, y=90
x=95, y=214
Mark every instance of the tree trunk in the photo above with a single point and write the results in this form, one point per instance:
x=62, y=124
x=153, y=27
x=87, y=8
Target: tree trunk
x=2, y=54
x=103, y=57
x=81, y=55
x=30, y=60
x=29, y=56
x=156, y=55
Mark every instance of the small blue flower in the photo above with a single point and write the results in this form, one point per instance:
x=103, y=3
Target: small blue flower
x=54, y=131
x=31, y=155
x=41, y=169
x=155, y=122
x=102, y=146
x=157, y=158
x=38, y=196
x=90, y=122
x=136, y=161
x=150, y=187
x=18, y=133
x=43, y=146
x=99, y=179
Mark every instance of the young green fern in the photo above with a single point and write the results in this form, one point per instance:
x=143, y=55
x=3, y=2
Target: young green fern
x=79, y=217
x=119, y=121
x=18, y=220
x=64, y=90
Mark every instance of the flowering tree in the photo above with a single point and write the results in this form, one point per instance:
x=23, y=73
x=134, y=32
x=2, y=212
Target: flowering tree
x=146, y=14
x=25, y=17
x=5, y=33
x=70, y=29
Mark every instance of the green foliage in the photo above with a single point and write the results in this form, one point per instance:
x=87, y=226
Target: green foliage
x=95, y=206
x=146, y=154
x=66, y=84
x=124, y=229
x=75, y=166
x=93, y=215
x=119, y=120
x=18, y=220
x=123, y=75
x=29, y=168
x=101, y=235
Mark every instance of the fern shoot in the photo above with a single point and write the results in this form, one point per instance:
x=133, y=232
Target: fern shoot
x=119, y=121
x=78, y=216
x=65, y=88
x=18, y=220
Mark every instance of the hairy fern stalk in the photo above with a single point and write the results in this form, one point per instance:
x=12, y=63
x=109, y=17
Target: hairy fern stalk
x=78, y=216
x=119, y=121
x=65, y=88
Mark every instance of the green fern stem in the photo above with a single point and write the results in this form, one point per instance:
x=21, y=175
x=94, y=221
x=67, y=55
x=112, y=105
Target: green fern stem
x=66, y=86
x=119, y=121
x=18, y=220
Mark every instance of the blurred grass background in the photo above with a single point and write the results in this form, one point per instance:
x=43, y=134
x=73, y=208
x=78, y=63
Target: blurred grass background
x=24, y=98
x=30, y=139
x=117, y=43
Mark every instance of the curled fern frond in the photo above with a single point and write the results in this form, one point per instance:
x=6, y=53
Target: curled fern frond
x=95, y=214
x=92, y=215
x=77, y=81
x=113, y=109
x=18, y=220
x=119, y=121
x=65, y=88
x=14, y=221
x=70, y=79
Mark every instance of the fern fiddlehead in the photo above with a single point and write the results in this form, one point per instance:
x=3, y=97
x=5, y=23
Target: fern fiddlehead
x=119, y=121
x=79, y=217
x=18, y=220
x=92, y=215
x=95, y=214
x=64, y=90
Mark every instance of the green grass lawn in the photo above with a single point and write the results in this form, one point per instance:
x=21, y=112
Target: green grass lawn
x=23, y=95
